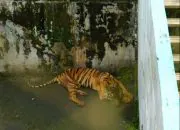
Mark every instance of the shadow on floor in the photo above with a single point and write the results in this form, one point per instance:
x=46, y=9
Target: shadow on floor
x=18, y=109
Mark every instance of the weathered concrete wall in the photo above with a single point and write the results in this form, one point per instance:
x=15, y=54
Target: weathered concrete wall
x=158, y=94
x=90, y=34
x=13, y=38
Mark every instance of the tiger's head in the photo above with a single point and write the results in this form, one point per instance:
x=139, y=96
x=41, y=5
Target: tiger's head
x=114, y=92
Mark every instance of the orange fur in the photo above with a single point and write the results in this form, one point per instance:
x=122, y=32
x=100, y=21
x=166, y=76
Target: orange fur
x=73, y=79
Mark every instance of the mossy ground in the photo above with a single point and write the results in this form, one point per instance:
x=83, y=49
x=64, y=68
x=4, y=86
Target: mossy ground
x=24, y=108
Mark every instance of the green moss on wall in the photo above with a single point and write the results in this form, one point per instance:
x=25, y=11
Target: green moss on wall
x=127, y=74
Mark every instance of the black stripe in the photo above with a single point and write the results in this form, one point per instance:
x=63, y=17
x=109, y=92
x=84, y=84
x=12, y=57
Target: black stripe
x=74, y=73
x=82, y=70
x=88, y=72
x=79, y=74
x=87, y=80
x=90, y=75
x=84, y=75
x=77, y=70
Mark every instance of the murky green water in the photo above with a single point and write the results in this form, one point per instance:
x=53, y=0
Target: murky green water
x=24, y=108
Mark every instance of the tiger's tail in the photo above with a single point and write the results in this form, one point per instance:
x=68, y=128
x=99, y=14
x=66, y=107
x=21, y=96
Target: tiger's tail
x=45, y=84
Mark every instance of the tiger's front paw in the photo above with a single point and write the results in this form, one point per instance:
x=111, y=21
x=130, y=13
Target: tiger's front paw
x=77, y=101
x=102, y=98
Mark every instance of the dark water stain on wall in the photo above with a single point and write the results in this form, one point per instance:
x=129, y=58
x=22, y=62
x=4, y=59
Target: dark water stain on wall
x=52, y=36
x=69, y=22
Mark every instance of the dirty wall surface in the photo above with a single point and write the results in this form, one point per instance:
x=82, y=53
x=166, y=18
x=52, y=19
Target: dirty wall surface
x=67, y=34
x=39, y=39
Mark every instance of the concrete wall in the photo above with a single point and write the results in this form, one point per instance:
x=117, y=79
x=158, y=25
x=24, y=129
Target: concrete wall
x=158, y=93
x=99, y=34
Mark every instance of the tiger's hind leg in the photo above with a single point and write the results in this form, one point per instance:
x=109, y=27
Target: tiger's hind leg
x=73, y=97
x=72, y=88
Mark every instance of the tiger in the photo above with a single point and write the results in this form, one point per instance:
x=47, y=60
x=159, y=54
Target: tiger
x=107, y=86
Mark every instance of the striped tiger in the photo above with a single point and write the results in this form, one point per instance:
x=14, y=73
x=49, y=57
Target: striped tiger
x=104, y=83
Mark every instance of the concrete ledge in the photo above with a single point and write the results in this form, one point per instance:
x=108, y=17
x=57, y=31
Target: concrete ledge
x=178, y=76
x=172, y=4
x=175, y=39
x=174, y=22
x=176, y=57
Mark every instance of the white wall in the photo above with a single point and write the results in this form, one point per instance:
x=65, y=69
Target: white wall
x=158, y=93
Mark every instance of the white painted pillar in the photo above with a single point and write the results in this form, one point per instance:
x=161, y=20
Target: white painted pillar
x=158, y=92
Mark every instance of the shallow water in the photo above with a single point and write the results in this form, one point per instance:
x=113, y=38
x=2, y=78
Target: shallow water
x=48, y=108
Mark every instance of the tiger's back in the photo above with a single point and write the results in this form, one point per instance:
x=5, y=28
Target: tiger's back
x=85, y=77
